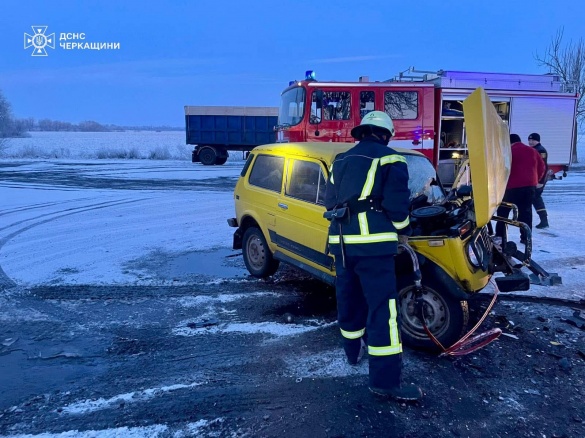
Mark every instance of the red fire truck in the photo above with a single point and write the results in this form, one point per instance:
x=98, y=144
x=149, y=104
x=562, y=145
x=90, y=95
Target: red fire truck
x=428, y=114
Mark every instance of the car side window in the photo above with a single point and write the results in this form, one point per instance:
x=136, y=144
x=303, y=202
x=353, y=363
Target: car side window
x=306, y=182
x=267, y=172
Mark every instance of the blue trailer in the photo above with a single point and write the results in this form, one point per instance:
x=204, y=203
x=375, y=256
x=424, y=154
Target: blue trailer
x=215, y=130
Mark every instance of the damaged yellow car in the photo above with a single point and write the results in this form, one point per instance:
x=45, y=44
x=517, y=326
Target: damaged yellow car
x=279, y=218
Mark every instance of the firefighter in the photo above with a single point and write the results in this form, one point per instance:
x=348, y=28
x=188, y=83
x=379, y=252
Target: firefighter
x=538, y=203
x=367, y=201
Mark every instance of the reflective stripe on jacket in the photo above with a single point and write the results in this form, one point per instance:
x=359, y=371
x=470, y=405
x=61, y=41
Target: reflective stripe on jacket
x=369, y=170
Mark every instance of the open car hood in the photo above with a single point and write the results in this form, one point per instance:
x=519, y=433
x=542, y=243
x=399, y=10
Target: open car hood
x=490, y=157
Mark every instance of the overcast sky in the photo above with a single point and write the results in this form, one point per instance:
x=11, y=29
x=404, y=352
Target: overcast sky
x=176, y=53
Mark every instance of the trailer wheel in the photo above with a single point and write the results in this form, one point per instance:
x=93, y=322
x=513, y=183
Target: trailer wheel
x=257, y=255
x=446, y=317
x=220, y=160
x=207, y=156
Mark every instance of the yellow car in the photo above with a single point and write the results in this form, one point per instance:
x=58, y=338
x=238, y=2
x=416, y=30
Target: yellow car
x=279, y=218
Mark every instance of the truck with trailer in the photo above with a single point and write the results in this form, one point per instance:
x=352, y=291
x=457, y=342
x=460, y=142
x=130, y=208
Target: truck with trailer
x=215, y=130
x=427, y=111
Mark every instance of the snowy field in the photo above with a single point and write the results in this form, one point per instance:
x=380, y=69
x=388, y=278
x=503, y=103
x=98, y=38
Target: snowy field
x=164, y=145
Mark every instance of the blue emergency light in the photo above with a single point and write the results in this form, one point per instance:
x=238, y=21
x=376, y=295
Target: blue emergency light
x=310, y=75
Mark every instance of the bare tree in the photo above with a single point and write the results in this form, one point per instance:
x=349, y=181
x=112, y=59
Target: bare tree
x=568, y=62
x=5, y=121
x=5, y=117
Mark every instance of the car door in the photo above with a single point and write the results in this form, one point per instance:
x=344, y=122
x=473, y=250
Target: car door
x=301, y=231
x=263, y=188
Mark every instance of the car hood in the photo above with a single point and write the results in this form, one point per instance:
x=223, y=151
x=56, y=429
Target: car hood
x=490, y=157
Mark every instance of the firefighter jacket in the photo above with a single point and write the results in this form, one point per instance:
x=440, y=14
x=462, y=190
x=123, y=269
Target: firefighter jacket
x=372, y=180
x=527, y=167
x=544, y=155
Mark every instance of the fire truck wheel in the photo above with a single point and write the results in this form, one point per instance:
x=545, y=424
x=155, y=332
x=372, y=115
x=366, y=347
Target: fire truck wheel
x=257, y=255
x=445, y=316
x=207, y=155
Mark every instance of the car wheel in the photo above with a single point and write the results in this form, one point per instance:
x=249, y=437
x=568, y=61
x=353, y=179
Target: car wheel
x=445, y=316
x=257, y=255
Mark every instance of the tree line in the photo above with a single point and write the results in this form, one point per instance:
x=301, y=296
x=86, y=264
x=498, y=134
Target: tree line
x=18, y=127
x=11, y=127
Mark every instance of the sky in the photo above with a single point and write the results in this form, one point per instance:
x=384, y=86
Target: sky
x=244, y=53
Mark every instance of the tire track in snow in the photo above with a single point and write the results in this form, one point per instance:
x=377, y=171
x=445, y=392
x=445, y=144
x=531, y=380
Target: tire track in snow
x=5, y=281
x=36, y=206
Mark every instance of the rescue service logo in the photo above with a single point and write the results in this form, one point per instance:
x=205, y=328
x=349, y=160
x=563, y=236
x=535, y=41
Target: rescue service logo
x=39, y=41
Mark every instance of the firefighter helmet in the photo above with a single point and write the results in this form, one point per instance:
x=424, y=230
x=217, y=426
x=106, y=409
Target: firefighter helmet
x=378, y=119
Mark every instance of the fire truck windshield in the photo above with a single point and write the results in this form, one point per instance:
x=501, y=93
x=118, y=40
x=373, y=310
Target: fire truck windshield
x=292, y=107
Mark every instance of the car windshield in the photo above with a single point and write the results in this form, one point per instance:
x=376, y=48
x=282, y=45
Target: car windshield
x=423, y=179
x=292, y=107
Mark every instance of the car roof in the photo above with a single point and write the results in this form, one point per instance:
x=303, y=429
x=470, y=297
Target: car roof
x=324, y=151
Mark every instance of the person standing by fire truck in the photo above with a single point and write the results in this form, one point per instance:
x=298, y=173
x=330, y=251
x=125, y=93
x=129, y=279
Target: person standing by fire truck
x=367, y=201
x=527, y=169
x=538, y=203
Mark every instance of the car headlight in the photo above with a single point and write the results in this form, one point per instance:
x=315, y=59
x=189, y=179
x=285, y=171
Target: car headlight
x=471, y=255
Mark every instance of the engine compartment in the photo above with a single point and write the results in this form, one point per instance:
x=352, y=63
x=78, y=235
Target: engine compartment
x=443, y=218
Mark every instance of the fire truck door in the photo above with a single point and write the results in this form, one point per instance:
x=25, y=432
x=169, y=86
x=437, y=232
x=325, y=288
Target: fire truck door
x=336, y=119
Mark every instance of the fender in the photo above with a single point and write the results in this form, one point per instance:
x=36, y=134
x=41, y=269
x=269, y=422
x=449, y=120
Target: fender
x=429, y=270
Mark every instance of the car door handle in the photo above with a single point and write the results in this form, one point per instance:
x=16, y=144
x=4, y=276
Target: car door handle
x=283, y=206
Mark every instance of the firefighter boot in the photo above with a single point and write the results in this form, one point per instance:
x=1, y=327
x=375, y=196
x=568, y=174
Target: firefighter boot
x=355, y=349
x=401, y=393
x=385, y=379
x=543, y=222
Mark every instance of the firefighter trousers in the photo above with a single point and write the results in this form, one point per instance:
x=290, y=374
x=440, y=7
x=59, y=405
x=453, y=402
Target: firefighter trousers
x=538, y=204
x=367, y=302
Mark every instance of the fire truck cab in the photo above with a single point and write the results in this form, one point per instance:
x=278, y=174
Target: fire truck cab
x=427, y=112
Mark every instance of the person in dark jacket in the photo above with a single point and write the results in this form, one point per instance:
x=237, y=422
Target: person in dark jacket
x=527, y=169
x=538, y=203
x=367, y=200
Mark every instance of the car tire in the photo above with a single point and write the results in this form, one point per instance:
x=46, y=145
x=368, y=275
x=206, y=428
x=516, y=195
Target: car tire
x=207, y=156
x=446, y=316
x=257, y=255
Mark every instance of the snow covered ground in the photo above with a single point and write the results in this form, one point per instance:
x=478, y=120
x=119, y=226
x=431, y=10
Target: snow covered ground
x=67, y=234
